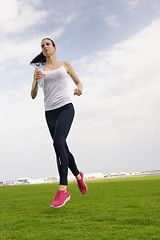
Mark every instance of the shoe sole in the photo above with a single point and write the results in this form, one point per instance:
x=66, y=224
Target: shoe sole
x=86, y=189
x=84, y=184
x=67, y=199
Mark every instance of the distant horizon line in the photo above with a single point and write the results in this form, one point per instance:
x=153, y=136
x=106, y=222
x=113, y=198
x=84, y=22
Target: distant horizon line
x=88, y=174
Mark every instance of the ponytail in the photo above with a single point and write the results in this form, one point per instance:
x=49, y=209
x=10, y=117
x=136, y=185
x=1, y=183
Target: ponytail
x=38, y=59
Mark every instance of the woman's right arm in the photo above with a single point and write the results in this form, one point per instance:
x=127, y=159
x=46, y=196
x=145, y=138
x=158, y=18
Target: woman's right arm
x=34, y=90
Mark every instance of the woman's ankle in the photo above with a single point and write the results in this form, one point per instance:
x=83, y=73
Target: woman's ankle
x=78, y=177
x=63, y=188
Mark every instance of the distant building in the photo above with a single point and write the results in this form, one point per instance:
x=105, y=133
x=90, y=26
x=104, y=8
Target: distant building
x=51, y=179
x=36, y=181
x=23, y=180
x=114, y=174
x=93, y=175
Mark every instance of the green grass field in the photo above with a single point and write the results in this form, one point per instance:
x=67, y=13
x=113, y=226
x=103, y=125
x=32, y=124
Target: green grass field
x=117, y=209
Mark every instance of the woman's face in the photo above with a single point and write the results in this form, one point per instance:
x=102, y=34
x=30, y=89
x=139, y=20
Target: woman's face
x=47, y=47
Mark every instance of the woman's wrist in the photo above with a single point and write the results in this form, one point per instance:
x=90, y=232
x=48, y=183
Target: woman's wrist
x=80, y=86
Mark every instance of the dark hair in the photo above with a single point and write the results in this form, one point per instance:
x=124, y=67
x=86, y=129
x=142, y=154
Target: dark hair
x=40, y=58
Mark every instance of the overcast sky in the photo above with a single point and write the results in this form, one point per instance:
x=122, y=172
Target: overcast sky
x=113, y=47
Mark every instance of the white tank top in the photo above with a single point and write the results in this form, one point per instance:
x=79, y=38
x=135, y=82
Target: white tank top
x=55, y=88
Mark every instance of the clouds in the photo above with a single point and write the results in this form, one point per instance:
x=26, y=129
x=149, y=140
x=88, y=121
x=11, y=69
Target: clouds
x=17, y=19
x=112, y=21
x=24, y=19
x=134, y=3
x=138, y=4
x=17, y=16
x=130, y=68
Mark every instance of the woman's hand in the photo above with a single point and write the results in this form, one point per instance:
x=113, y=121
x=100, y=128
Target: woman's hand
x=77, y=92
x=39, y=75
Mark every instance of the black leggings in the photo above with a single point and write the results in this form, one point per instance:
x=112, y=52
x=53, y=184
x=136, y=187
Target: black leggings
x=59, y=122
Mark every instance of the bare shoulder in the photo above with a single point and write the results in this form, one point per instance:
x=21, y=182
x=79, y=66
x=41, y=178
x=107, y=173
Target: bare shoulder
x=67, y=66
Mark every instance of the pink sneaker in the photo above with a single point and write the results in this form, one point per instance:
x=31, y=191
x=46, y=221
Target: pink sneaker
x=60, y=199
x=81, y=184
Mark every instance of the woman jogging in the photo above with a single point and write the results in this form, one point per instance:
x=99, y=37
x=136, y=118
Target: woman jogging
x=59, y=113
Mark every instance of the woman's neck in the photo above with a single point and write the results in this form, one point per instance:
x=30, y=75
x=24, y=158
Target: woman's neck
x=51, y=60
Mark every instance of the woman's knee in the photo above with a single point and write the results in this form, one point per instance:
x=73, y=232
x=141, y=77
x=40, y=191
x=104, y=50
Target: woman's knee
x=59, y=144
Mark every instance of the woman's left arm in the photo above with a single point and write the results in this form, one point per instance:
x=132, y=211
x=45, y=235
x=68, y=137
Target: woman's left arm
x=71, y=72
